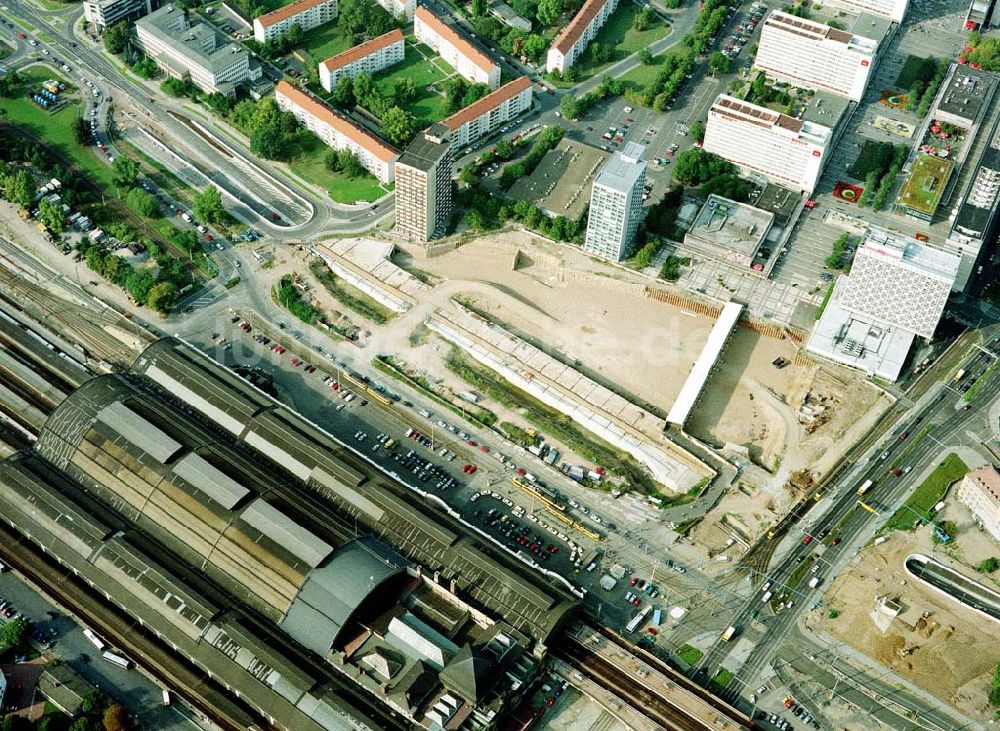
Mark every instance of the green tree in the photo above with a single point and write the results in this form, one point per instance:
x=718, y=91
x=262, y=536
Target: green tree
x=569, y=107
x=548, y=11
x=397, y=126
x=646, y=56
x=474, y=93
x=479, y=8
x=404, y=90
x=695, y=167
x=728, y=186
x=208, y=206
x=142, y=203
x=15, y=632
x=718, y=63
x=10, y=83
x=601, y=52
x=81, y=131
x=116, y=718
x=80, y=724
x=350, y=164
x=467, y=176
x=19, y=188
x=268, y=142
x=534, y=46
x=294, y=35
x=989, y=565
x=51, y=215
x=331, y=161
x=644, y=19
x=138, y=284
x=124, y=171
x=343, y=92
x=117, y=37
x=454, y=91
x=162, y=297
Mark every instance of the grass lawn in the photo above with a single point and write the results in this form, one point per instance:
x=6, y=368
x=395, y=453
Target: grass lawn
x=928, y=494
x=690, y=655
x=326, y=41
x=308, y=165
x=351, y=297
x=55, y=128
x=429, y=105
x=721, y=680
x=987, y=374
x=915, y=68
x=619, y=34
x=928, y=179
x=642, y=75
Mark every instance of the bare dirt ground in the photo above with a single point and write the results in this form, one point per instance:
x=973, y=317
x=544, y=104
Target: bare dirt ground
x=577, y=712
x=935, y=643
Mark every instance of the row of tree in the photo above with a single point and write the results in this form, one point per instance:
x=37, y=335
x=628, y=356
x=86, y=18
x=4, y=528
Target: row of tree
x=713, y=174
x=547, y=139
x=397, y=125
x=571, y=108
x=669, y=81
x=485, y=212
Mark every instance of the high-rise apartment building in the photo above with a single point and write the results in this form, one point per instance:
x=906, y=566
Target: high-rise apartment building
x=892, y=9
x=980, y=491
x=616, y=204
x=783, y=149
x=573, y=39
x=485, y=115
x=815, y=56
x=103, y=13
x=423, y=185
x=182, y=48
x=471, y=64
x=369, y=58
x=337, y=132
x=306, y=14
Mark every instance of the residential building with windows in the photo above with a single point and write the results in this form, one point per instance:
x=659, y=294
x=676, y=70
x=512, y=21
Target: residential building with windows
x=894, y=10
x=815, y=56
x=783, y=149
x=181, y=48
x=471, y=64
x=896, y=292
x=337, y=132
x=572, y=41
x=980, y=492
x=369, y=58
x=485, y=115
x=306, y=14
x=616, y=204
x=402, y=9
x=423, y=185
x=103, y=13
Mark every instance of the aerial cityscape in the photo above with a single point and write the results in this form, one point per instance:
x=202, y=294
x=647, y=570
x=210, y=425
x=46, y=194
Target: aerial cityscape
x=569, y=365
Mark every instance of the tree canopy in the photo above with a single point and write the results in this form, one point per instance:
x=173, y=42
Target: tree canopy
x=208, y=205
x=694, y=167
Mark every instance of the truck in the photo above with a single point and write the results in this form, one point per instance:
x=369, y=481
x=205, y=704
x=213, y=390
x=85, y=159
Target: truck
x=186, y=216
x=766, y=598
x=814, y=582
x=864, y=487
x=728, y=634
x=960, y=375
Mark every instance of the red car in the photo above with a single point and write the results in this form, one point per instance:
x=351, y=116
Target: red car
x=295, y=361
x=21, y=36
x=904, y=435
x=208, y=237
x=897, y=473
x=483, y=448
x=280, y=350
x=633, y=581
x=636, y=601
x=836, y=541
x=275, y=217
x=651, y=630
x=469, y=469
x=472, y=443
x=807, y=540
x=521, y=471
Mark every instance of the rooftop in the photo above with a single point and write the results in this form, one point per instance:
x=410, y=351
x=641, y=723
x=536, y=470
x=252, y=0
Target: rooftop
x=966, y=91
x=427, y=149
x=926, y=183
x=731, y=225
x=288, y=11
x=560, y=185
x=569, y=35
x=488, y=102
x=363, y=49
x=988, y=480
x=196, y=40
x=825, y=108
x=818, y=31
x=624, y=169
x=762, y=116
x=318, y=109
x=466, y=48
x=871, y=26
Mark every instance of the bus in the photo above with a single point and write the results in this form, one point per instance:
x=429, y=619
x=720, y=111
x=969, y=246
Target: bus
x=866, y=506
x=764, y=599
x=122, y=662
x=638, y=619
x=94, y=639
x=656, y=617
x=864, y=487
x=728, y=634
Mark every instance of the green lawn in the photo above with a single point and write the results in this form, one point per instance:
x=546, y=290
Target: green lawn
x=55, y=128
x=642, y=75
x=928, y=494
x=690, y=655
x=625, y=40
x=429, y=106
x=989, y=373
x=308, y=165
x=326, y=41
x=721, y=680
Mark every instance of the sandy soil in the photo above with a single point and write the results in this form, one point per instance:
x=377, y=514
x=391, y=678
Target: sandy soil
x=934, y=643
x=577, y=712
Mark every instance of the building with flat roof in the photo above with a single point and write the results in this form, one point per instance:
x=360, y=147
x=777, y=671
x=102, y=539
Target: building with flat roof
x=894, y=10
x=307, y=14
x=616, y=204
x=815, y=56
x=423, y=185
x=728, y=230
x=509, y=17
x=400, y=9
x=323, y=592
x=976, y=220
x=485, y=115
x=573, y=40
x=980, y=492
x=338, y=132
x=785, y=150
x=369, y=58
x=925, y=186
x=560, y=184
x=181, y=48
x=471, y=64
x=103, y=13
x=896, y=292
x=65, y=688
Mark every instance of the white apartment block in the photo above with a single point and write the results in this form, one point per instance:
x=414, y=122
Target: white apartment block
x=339, y=133
x=401, y=9
x=980, y=491
x=103, y=13
x=471, y=64
x=574, y=38
x=892, y=9
x=785, y=150
x=369, y=58
x=483, y=116
x=616, y=204
x=423, y=185
x=815, y=56
x=306, y=14
x=183, y=49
